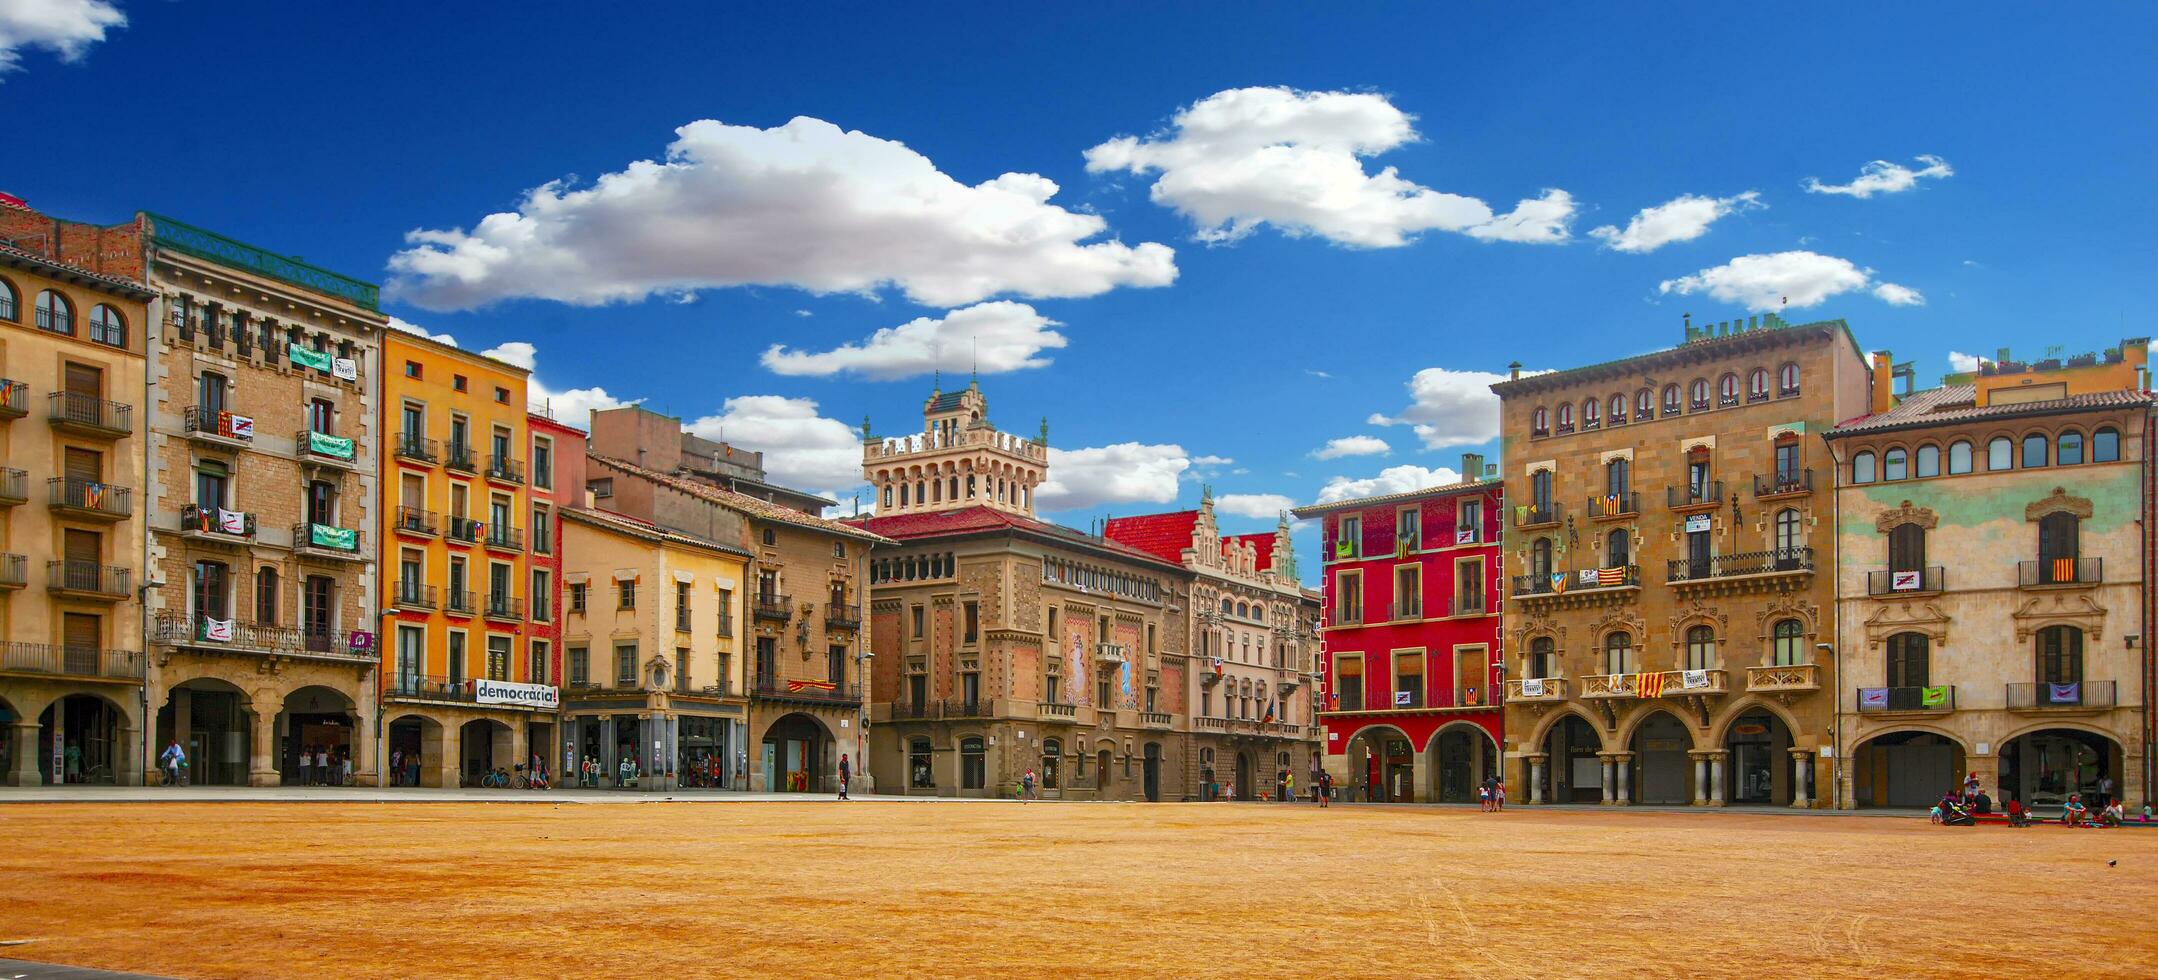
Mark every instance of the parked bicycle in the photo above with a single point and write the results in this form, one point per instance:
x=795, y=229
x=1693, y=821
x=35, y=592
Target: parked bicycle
x=496, y=779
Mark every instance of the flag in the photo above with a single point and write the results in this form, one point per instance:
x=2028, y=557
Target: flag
x=794, y=686
x=1933, y=697
x=224, y=424
x=1521, y=514
x=1269, y=712
x=217, y=630
x=2071, y=693
x=1650, y=685
x=2064, y=569
x=231, y=521
x=1611, y=576
x=1402, y=545
x=1343, y=548
x=243, y=427
x=1465, y=535
x=1558, y=581
x=329, y=445
x=1693, y=679
x=307, y=356
x=93, y=494
x=1873, y=697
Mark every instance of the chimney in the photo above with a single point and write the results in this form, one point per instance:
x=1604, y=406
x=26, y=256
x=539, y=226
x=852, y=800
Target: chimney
x=591, y=500
x=1513, y=371
x=1472, y=466
x=1884, y=382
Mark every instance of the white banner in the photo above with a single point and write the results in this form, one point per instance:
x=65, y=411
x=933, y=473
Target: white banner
x=243, y=427
x=1906, y=581
x=217, y=630
x=1696, y=523
x=1532, y=687
x=1693, y=679
x=346, y=368
x=1401, y=698
x=543, y=696
x=231, y=521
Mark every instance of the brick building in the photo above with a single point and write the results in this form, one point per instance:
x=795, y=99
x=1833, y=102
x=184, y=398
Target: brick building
x=1412, y=656
x=1665, y=617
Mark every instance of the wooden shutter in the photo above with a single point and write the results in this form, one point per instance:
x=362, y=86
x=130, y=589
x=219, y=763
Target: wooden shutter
x=83, y=379
x=83, y=464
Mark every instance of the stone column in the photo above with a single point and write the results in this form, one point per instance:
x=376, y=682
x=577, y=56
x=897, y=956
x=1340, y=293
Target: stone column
x=262, y=753
x=1610, y=780
x=22, y=769
x=1700, y=778
x=442, y=762
x=1801, y=778
x=364, y=770
x=520, y=747
x=1419, y=777
x=1715, y=777
x=1623, y=762
x=127, y=752
x=1536, y=778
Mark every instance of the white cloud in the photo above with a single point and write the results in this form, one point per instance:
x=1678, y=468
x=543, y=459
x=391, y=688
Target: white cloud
x=803, y=313
x=1766, y=281
x=1962, y=363
x=1449, y=408
x=1211, y=461
x=67, y=28
x=1241, y=158
x=996, y=337
x=1883, y=177
x=408, y=326
x=1352, y=446
x=573, y=406
x=1680, y=219
x=801, y=448
x=1393, y=479
x=804, y=205
x=1125, y=473
x=1257, y=506
x=1317, y=373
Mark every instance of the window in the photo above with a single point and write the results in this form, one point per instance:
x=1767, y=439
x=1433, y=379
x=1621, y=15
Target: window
x=542, y=530
x=1566, y=417
x=1617, y=475
x=1543, y=657
x=771, y=538
x=1699, y=394
x=1929, y=461
x=1908, y=661
x=2069, y=452
x=2060, y=655
x=973, y=617
x=1790, y=533
x=1469, y=522
x=456, y=658
x=580, y=665
x=625, y=664
x=412, y=369
x=1672, y=400
x=1468, y=586
x=1540, y=496
x=576, y=597
x=502, y=396
x=1790, y=643
x=1959, y=457
x=1787, y=463
x=2034, y=450
x=1409, y=528
x=2059, y=539
x=1727, y=391
x=10, y=302
x=498, y=658
x=1348, y=686
x=1590, y=411
x=322, y=502
x=681, y=606
x=266, y=596
x=213, y=596
x=1617, y=414
x=1757, y=385
x=1540, y=560
x=625, y=594
x=1700, y=648
x=542, y=595
x=602, y=488
x=1408, y=592
x=457, y=382
x=542, y=463
x=1895, y=465
x=1618, y=653
x=107, y=327
x=1906, y=548
x=919, y=617
x=1644, y=404
x=1999, y=453
x=973, y=764
x=2106, y=445
x=1787, y=379
x=1409, y=680
x=54, y=313
x=538, y=662
x=1863, y=468
x=1618, y=552
x=1349, y=598
x=211, y=483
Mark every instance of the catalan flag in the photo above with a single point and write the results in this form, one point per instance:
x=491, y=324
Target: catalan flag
x=1611, y=576
x=1650, y=685
x=2064, y=569
x=796, y=686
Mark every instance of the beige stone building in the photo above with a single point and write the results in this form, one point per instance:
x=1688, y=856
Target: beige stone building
x=1006, y=643
x=1991, y=582
x=71, y=561
x=1671, y=528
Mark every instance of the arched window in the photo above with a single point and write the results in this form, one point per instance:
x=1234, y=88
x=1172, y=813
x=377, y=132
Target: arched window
x=1929, y=461
x=1671, y=400
x=1757, y=384
x=2060, y=656
x=10, y=302
x=1618, y=410
x=1590, y=413
x=1787, y=379
x=1228, y=606
x=1644, y=404
x=920, y=496
x=1618, y=653
x=1908, y=666
x=54, y=313
x=1862, y=468
x=1959, y=457
x=2069, y=451
x=1566, y=417
x=1540, y=495
x=1700, y=648
x=2034, y=451
x=107, y=326
x=1727, y=390
x=1699, y=391
x=1790, y=534
x=1540, y=422
x=2000, y=453
x=973, y=767
x=887, y=495
x=902, y=495
x=1243, y=610
x=1618, y=550
x=1540, y=562
x=1895, y=465
x=2106, y=445
x=1543, y=657
x=1790, y=643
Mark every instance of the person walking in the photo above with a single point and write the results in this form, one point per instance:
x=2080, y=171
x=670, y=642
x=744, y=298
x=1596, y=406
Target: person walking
x=174, y=761
x=1325, y=790
x=1288, y=787
x=846, y=772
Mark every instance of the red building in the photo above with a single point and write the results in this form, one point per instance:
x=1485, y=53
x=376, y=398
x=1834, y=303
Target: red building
x=1409, y=673
x=557, y=455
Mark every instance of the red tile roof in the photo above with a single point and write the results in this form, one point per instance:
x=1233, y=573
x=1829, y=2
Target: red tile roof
x=1165, y=536
x=1264, y=542
x=979, y=519
x=1959, y=403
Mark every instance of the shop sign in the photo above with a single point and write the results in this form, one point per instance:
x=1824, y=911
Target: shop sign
x=543, y=696
x=1697, y=523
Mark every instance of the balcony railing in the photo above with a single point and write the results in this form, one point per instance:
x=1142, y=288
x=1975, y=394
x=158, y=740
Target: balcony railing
x=1933, y=578
x=1547, y=690
x=1876, y=700
x=1532, y=515
x=1349, y=613
x=1655, y=683
x=1156, y=719
x=14, y=571
x=413, y=520
x=1768, y=562
x=503, y=537
x=2081, y=694
x=458, y=457
x=464, y=529
x=328, y=539
x=309, y=444
x=1472, y=605
x=507, y=469
x=772, y=606
x=2061, y=571
x=89, y=578
x=1783, y=483
x=422, y=687
x=1790, y=677
x=107, y=501
x=14, y=399
x=1691, y=495
x=1051, y=711
x=182, y=630
x=504, y=607
x=455, y=601
x=1615, y=504
x=90, y=413
x=14, y=486
x=842, y=617
x=418, y=448
x=967, y=708
x=47, y=658
x=807, y=690
x=414, y=595
x=199, y=421
x=217, y=522
x=1617, y=577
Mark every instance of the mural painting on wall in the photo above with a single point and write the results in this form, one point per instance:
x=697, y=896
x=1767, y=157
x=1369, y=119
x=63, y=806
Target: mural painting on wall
x=1078, y=688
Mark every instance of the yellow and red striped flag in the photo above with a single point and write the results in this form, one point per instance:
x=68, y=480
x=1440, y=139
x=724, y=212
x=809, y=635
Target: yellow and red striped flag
x=2064, y=569
x=1650, y=685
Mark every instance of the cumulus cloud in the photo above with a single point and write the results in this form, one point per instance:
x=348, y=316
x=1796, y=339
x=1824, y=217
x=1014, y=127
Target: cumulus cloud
x=1352, y=446
x=1211, y=461
x=996, y=337
x=574, y=406
x=1767, y=281
x=1883, y=177
x=67, y=28
x=1449, y=408
x=806, y=205
x=1962, y=363
x=1393, y=479
x=801, y=448
x=1125, y=473
x=1257, y=506
x=407, y=326
x=1680, y=219
x=1244, y=157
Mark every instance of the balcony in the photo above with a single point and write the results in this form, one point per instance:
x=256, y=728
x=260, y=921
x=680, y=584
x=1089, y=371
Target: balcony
x=1059, y=712
x=413, y=596
x=418, y=448
x=842, y=617
x=1399, y=611
x=505, y=469
x=1783, y=485
x=968, y=708
x=1785, y=680
x=89, y=580
x=423, y=687
x=772, y=607
x=283, y=641
x=89, y=499
x=464, y=529
x=1115, y=653
x=1655, y=683
x=67, y=661
x=2045, y=697
x=1907, y=700
x=1548, y=690
x=326, y=541
x=90, y=415
x=14, y=571
x=14, y=487
x=201, y=523
x=414, y=521
x=1611, y=506
x=820, y=692
x=1912, y=581
x=504, y=607
x=1537, y=515
x=459, y=603
x=1776, y=561
x=217, y=428
x=14, y=399
x=1703, y=495
x=322, y=447
x=2060, y=571
x=1595, y=584
x=460, y=458
x=502, y=537
x=1156, y=719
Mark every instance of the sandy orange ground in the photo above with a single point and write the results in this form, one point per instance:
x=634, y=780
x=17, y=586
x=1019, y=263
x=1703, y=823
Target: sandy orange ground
x=879, y=889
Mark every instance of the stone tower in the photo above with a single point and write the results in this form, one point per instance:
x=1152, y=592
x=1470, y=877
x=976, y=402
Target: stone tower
x=958, y=460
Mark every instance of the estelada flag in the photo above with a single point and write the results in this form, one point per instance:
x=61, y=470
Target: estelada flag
x=1650, y=685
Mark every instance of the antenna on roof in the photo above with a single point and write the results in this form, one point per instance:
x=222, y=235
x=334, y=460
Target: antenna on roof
x=976, y=380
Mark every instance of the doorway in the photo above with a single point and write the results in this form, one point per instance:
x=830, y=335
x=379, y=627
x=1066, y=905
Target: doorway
x=1760, y=760
x=1150, y=772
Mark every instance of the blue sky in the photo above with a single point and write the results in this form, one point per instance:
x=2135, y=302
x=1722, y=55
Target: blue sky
x=1270, y=270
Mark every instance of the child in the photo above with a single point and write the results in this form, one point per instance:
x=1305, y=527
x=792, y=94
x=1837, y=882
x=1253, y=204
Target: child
x=1935, y=816
x=1483, y=798
x=2017, y=815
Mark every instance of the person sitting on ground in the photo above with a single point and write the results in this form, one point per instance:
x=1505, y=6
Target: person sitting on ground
x=2073, y=812
x=1984, y=803
x=2112, y=815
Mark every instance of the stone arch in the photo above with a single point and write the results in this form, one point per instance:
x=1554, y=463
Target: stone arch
x=2059, y=502
x=1634, y=720
x=2070, y=724
x=1902, y=728
x=1889, y=520
x=1544, y=725
x=1720, y=727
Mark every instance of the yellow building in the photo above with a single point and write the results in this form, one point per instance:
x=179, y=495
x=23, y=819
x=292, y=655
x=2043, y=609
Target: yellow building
x=71, y=384
x=652, y=642
x=464, y=692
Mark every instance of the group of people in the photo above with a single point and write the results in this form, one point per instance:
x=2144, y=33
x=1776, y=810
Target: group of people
x=1491, y=796
x=1962, y=806
x=324, y=766
x=404, y=768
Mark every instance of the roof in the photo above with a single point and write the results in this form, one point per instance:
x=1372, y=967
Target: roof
x=395, y=335
x=202, y=243
x=1165, y=536
x=945, y=401
x=1428, y=493
x=1703, y=347
x=758, y=509
x=647, y=530
x=1950, y=404
x=986, y=520
x=1263, y=542
x=54, y=267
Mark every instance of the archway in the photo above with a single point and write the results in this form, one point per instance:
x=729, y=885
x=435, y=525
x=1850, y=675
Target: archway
x=78, y=740
x=1103, y=775
x=482, y=747
x=1660, y=762
x=211, y=720
x=1759, y=747
x=2042, y=768
x=1463, y=756
x=1150, y=772
x=797, y=755
x=1905, y=769
x=414, y=751
x=1573, y=773
x=1243, y=776
x=315, y=734
x=8, y=766
x=1382, y=765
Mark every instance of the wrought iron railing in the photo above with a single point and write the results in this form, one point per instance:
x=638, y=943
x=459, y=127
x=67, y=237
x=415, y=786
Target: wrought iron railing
x=1615, y=504
x=196, y=419
x=413, y=520
x=1531, y=515
x=1399, y=610
x=804, y=690
x=186, y=630
x=504, y=606
x=458, y=457
x=112, y=581
x=423, y=687
x=327, y=538
x=1782, y=483
x=418, y=448
x=310, y=444
x=459, y=602
x=198, y=519
x=506, y=538
x=2079, y=694
x=50, y=658
x=2061, y=571
x=1694, y=495
x=14, y=485
x=14, y=571
x=1932, y=578
x=1741, y=563
x=89, y=496
x=840, y=616
x=1874, y=700
x=414, y=595
x=90, y=411
x=508, y=469
x=464, y=529
x=14, y=399
x=772, y=606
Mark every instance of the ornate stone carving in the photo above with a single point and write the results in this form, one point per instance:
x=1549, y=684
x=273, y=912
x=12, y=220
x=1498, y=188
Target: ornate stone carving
x=2076, y=609
x=1693, y=611
x=1788, y=606
x=1899, y=617
x=2059, y=503
x=1922, y=516
x=1619, y=618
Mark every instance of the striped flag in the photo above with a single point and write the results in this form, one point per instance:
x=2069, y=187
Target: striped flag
x=2064, y=569
x=1611, y=576
x=1650, y=685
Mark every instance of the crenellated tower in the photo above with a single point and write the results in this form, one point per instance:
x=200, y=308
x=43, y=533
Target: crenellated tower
x=957, y=460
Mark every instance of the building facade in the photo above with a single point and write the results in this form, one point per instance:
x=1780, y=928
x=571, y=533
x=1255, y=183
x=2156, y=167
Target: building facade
x=557, y=467
x=1992, y=583
x=72, y=343
x=465, y=690
x=1665, y=616
x=1413, y=660
x=1248, y=705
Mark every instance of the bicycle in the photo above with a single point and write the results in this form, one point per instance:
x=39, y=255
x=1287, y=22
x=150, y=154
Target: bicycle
x=496, y=779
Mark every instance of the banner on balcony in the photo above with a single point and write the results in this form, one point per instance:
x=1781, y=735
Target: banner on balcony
x=345, y=368
x=2064, y=693
x=799, y=686
x=1910, y=581
x=231, y=521
x=1558, y=581
x=1933, y=697
x=359, y=641
x=1611, y=576
x=1464, y=535
x=307, y=356
x=329, y=445
x=542, y=696
x=1651, y=684
x=217, y=630
x=1401, y=698
x=93, y=494
x=1589, y=577
x=1693, y=679
x=2064, y=569
x=1697, y=523
x=325, y=536
x=1344, y=548
x=1872, y=697
x=1532, y=687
